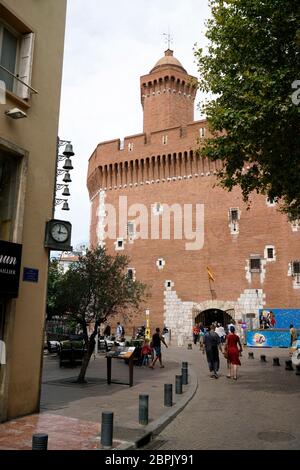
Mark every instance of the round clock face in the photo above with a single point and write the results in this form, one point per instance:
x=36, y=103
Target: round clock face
x=59, y=232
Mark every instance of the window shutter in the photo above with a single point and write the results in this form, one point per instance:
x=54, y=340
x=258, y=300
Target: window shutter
x=25, y=65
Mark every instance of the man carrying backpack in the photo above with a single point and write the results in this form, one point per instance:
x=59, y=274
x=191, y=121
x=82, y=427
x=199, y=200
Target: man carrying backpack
x=119, y=331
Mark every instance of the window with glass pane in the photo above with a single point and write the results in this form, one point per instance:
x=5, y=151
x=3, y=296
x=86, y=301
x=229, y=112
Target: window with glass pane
x=8, y=185
x=234, y=213
x=2, y=312
x=8, y=56
x=130, y=229
x=296, y=267
x=255, y=264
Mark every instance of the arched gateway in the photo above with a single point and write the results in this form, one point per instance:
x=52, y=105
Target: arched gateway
x=213, y=315
x=214, y=311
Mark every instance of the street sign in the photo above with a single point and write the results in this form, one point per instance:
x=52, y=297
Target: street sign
x=30, y=275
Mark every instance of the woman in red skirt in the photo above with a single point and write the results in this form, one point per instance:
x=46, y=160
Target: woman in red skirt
x=233, y=349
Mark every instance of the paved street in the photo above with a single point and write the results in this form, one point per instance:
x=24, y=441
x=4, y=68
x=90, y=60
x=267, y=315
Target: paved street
x=61, y=396
x=258, y=411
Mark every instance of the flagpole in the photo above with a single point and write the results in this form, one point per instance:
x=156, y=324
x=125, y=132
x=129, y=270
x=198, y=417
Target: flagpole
x=210, y=278
x=211, y=291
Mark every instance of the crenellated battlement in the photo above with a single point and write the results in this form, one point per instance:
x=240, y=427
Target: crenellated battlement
x=162, y=156
x=137, y=146
x=163, y=83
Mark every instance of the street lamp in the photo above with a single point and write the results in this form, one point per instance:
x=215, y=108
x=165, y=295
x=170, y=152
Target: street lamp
x=147, y=330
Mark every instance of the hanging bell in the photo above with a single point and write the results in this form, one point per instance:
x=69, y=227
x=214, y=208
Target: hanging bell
x=69, y=151
x=68, y=164
x=67, y=178
x=65, y=206
x=66, y=191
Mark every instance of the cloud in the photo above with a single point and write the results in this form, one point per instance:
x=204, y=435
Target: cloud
x=108, y=46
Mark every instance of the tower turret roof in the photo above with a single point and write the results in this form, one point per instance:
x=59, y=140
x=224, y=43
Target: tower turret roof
x=168, y=60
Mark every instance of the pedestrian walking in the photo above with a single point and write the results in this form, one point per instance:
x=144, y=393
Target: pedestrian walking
x=146, y=352
x=293, y=333
x=228, y=327
x=107, y=331
x=119, y=331
x=196, y=331
x=201, y=340
x=232, y=351
x=221, y=332
x=212, y=345
x=157, y=339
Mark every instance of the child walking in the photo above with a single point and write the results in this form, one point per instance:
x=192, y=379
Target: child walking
x=146, y=352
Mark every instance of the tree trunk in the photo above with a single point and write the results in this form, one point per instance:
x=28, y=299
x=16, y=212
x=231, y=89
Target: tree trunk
x=86, y=360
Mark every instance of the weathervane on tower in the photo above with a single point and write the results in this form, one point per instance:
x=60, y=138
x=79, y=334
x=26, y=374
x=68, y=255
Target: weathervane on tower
x=168, y=38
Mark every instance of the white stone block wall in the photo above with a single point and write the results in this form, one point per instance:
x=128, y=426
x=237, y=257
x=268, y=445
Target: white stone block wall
x=251, y=301
x=178, y=317
x=296, y=279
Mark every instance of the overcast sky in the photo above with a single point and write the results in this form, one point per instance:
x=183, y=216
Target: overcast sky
x=108, y=46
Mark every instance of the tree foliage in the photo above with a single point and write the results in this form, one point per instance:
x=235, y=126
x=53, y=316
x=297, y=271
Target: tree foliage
x=55, y=274
x=252, y=61
x=94, y=289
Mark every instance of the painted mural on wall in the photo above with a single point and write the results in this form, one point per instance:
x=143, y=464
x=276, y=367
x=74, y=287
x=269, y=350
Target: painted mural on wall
x=268, y=338
x=279, y=318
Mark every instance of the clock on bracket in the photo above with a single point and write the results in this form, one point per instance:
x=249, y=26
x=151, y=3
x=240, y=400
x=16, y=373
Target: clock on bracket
x=58, y=235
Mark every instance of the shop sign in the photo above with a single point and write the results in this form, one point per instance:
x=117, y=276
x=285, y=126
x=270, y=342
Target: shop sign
x=10, y=264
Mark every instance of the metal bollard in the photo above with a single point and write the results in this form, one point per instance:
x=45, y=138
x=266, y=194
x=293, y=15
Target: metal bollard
x=184, y=373
x=263, y=358
x=168, y=395
x=298, y=369
x=289, y=365
x=276, y=361
x=143, y=409
x=250, y=355
x=178, y=384
x=40, y=442
x=107, y=425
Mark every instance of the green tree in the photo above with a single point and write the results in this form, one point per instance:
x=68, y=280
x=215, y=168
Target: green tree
x=251, y=66
x=95, y=288
x=55, y=275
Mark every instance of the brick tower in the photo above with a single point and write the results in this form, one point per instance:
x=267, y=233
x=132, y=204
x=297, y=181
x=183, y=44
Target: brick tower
x=204, y=256
x=168, y=95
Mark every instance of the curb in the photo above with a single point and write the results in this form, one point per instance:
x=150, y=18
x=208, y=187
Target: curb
x=159, y=424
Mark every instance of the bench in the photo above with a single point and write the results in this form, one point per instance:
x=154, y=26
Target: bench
x=71, y=352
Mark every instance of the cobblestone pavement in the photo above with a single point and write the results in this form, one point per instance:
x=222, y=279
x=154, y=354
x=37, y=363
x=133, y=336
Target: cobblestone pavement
x=258, y=411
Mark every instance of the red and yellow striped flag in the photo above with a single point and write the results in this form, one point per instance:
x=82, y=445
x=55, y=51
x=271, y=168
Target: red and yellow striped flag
x=210, y=274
